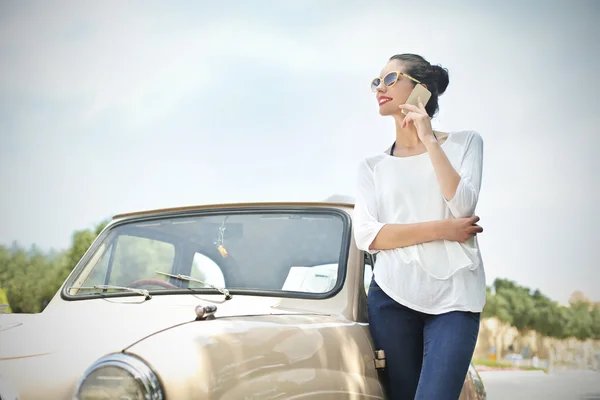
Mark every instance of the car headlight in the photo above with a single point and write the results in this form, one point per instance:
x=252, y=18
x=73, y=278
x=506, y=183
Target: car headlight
x=119, y=376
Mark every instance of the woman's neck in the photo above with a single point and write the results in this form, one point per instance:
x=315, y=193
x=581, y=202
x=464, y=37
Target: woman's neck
x=406, y=138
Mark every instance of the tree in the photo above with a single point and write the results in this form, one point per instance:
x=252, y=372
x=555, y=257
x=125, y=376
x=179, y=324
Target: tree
x=4, y=300
x=497, y=306
x=549, y=318
x=580, y=322
x=596, y=321
x=519, y=303
x=30, y=278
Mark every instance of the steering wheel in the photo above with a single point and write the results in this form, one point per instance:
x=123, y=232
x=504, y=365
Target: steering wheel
x=152, y=282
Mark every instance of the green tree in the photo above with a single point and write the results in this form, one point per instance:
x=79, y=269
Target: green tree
x=580, y=322
x=496, y=306
x=549, y=318
x=4, y=300
x=31, y=277
x=519, y=303
x=596, y=321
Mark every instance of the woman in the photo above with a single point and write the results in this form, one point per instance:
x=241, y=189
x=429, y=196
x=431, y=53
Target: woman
x=415, y=208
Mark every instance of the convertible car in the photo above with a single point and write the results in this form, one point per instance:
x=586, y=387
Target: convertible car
x=233, y=301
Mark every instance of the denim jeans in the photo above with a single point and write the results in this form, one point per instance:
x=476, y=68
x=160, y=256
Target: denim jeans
x=427, y=356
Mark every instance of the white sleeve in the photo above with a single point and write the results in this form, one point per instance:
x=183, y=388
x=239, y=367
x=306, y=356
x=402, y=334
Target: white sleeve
x=366, y=224
x=464, y=202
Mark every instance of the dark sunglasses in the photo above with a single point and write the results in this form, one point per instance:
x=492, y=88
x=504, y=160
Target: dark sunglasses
x=390, y=79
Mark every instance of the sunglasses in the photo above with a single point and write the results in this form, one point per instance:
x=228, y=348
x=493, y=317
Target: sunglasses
x=390, y=79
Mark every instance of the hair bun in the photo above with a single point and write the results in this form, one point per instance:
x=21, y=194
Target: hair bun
x=441, y=78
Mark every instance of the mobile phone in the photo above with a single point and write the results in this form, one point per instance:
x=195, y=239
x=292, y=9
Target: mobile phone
x=418, y=91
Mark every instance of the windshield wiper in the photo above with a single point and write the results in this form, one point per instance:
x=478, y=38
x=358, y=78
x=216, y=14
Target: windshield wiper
x=186, y=278
x=141, y=292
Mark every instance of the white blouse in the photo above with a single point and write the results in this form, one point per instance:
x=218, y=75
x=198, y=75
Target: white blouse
x=433, y=277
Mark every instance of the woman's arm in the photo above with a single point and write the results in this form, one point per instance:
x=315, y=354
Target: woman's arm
x=392, y=236
x=460, y=189
x=371, y=235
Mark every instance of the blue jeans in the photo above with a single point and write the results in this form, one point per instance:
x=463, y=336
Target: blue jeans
x=427, y=356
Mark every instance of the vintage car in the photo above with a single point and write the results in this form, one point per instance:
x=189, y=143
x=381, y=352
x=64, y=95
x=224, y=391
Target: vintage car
x=235, y=301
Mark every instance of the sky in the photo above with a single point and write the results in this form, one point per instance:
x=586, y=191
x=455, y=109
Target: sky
x=110, y=107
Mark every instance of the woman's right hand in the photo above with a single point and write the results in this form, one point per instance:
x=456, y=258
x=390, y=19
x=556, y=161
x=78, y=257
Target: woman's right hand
x=461, y=229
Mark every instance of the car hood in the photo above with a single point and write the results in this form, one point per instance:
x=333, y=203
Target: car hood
x=74, y=334
x=270, y=356
x=103, y=325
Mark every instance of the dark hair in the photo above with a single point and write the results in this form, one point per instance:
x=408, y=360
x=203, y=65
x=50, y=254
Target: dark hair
x=433, y=76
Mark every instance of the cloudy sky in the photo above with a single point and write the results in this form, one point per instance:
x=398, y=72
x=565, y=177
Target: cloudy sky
x=108, y=107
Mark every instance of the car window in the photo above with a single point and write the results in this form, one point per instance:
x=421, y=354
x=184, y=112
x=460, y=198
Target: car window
x=98, y=266
x=312, y=279
x=206, y=270
x=139, y=257
x=131, y=258
x=265, y=251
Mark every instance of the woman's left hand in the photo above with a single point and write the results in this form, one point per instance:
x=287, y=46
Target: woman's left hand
x=419, y=117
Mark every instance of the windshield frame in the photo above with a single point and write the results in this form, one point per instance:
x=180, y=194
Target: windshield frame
x=343, y=258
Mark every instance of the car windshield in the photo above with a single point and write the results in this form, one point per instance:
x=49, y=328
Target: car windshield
x=291, y=253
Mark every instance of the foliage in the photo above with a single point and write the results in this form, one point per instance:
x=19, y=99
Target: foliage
x=31, y=278
x=596, y=322
x=4, y=300
x=579, y=323
x=548, y=316
x=497, y=306
x=527, y=309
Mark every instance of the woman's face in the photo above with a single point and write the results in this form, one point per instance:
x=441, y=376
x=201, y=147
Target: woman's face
x=390, y=98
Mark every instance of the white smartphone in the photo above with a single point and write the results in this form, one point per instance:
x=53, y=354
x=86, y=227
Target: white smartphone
x=418, y=91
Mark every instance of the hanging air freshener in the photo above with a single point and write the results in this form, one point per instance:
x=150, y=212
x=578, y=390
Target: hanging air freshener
x=222, y=250
x=221, y=240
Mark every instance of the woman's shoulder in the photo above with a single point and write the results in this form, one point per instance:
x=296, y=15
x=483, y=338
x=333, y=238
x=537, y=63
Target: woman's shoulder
x=366, y=166
x=372, y=160
x=462, y=138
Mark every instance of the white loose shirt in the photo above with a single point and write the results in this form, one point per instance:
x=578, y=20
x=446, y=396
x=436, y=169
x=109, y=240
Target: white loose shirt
x=433, y=277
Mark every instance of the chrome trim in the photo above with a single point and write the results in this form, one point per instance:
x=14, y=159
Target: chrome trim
x=140, y=371
x=379, y=359
x=10, y=326
x=205, y=312
x=7, y=391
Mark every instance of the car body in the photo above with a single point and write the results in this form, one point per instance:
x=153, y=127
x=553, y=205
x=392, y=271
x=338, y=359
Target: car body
x=229, y=301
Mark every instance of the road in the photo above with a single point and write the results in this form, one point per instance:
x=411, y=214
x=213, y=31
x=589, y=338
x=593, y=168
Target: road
x=526, y=385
